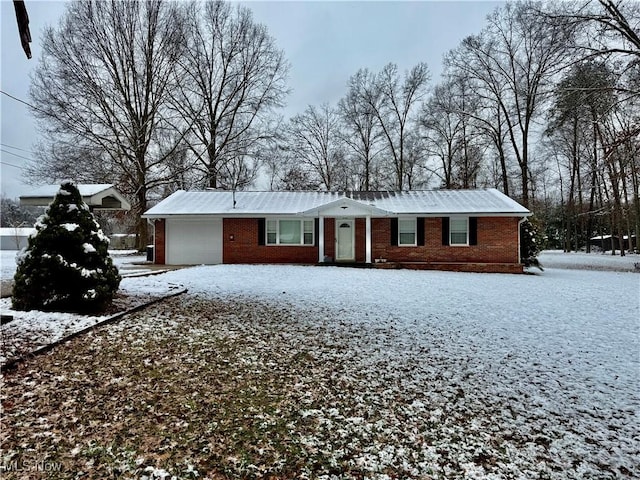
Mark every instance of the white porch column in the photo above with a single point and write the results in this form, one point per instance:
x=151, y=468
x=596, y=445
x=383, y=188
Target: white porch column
x=321, y=239
x=368, y=241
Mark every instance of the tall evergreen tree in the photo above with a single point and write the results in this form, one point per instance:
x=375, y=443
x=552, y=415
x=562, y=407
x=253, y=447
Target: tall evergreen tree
x=530, y=243
x=66, y=265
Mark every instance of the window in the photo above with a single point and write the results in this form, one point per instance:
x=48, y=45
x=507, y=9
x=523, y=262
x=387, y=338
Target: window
x=272, y=232
x=407, y=231
x=308, y=232
x=458, y=231
x=289, y=232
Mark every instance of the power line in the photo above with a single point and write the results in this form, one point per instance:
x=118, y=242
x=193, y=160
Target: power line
x=16, y=148
x=22, y=101
x=16, y=155
x=15, y=98
x=11, y=165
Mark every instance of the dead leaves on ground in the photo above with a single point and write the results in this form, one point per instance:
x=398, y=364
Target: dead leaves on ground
x=200, y=388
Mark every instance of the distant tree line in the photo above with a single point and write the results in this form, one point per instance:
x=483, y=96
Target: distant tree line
x=14, y=215
x=542, y=103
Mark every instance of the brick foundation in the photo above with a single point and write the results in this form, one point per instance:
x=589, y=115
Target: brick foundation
x=455, y=267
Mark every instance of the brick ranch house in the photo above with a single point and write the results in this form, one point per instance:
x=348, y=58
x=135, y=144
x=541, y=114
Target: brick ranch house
x=461, y=230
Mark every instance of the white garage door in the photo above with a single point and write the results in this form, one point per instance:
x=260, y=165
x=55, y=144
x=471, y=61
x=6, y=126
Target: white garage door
x=194, y=241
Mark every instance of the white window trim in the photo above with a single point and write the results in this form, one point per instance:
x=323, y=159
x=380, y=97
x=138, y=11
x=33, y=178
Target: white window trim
x=278, y=244
x=466, y=244
x=415, y=232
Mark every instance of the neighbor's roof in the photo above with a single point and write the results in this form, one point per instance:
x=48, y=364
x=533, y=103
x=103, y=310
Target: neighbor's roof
x=418, y=202
x=16, y=231
x=100, y=196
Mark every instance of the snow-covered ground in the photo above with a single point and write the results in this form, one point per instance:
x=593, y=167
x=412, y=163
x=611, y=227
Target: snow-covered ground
x=31, y=330
x=497, y=376
x=590, y=261
x=554, y=358
x=28, y=331
x=125, y=260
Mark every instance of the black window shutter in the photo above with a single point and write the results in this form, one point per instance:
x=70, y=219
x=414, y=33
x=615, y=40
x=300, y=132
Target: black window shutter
x=316, y=230
x=261, y=231
x=473, y=230
x=445, y=230
x=420, y=231
x=394, y=231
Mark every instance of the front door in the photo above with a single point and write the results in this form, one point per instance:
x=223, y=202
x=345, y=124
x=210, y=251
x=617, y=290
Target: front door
x=345, y=240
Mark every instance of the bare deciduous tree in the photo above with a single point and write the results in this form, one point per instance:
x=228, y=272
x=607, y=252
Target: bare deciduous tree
x=514, y=60
x=362, y=133
x=606, y=27
x=231, y=77
x=449, y=121
x=395, y=101
x=100, y=91
x=314, y=142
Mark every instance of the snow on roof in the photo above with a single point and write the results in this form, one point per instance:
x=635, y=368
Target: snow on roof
x=16, y=231
x=86, y=190
x=101, y=196
x=422, y=202
x=606, y=237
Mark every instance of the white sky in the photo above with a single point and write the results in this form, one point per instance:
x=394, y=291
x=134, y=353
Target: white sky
x=325, y=42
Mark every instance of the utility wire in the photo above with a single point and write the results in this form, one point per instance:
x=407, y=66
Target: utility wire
x=11, y=165
x=22, y=101
x=16, y=155
x=16, y=148
x=16, y=98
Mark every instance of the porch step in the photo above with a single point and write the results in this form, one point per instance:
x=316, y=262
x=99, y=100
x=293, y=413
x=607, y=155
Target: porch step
x=346, y=264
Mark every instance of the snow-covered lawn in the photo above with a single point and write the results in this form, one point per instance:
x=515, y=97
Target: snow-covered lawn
x=590, y=261
x=123, y=259
x=28, y=331
x=325, y=372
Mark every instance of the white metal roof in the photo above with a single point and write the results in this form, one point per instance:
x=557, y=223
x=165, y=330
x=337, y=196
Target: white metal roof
x=16, y=231
x=86, y=190
x=420, y=202
x=101, y=196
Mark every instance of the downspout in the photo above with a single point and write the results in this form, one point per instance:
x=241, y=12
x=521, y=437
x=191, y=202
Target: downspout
x=320, y=234
x=520, y=222
x=153, y=224
x=368, y=239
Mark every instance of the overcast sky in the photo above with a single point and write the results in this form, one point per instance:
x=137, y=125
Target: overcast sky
x=325, y=42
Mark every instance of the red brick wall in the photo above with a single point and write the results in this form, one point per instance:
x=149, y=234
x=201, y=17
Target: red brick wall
x=159, y=241
x=497, y=243
x=244, y=247
x=330, y=237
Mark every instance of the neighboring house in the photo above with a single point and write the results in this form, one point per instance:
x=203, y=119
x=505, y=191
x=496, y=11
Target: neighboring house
x=609, y=242
x=122, y=241
x=98, y=196
x=14, y=238
x=462, y=230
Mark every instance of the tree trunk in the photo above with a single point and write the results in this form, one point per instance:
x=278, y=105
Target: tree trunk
x=142, y=228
